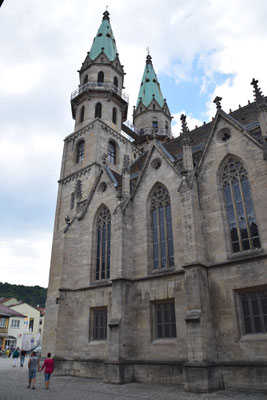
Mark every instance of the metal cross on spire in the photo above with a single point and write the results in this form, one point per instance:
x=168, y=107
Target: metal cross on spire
x=148, y=51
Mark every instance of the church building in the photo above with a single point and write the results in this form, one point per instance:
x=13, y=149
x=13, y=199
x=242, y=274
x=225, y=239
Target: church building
x=158, y=267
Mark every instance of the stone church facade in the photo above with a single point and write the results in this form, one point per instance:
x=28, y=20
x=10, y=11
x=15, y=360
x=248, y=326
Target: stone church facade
x=158, y=267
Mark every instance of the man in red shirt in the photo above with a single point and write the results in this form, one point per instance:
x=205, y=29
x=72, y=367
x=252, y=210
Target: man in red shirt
x=49, y=368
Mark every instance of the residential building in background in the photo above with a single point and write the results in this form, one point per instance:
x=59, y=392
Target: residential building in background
x=158, y=268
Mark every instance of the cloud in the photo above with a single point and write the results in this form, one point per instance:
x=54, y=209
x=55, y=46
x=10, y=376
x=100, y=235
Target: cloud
x=25, y=260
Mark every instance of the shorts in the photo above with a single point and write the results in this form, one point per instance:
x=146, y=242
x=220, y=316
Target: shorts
x=47, y=377
x=32, y=373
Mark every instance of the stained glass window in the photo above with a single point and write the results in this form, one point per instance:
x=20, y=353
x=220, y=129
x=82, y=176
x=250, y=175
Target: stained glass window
x=243, y=227
x=103, y=232
x=163, y=251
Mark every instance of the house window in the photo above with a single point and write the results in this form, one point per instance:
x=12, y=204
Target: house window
x=98, y=110
x=15, y=323
x=114, y=115
x=165, y=320
x=254, y=311
x=31, y=324
x=112, y=152
x=85, y=80
x=103, y=231
x=243, y=227
x=80, y=152
x=3, y=322
x=100, y=324
x=163, y=253
x=100, y=77
x=82, y=114
x=115, y=81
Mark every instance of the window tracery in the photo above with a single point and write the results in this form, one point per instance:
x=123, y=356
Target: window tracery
x=163, y=251
x=243, y=227
x=112, y=152
x=103, y=228
x=98, y=110
x=80, y=152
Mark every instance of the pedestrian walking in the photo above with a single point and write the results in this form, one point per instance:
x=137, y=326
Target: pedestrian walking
x=15, y=356
x=49, y=368
x=33, y=365
x=22, y=357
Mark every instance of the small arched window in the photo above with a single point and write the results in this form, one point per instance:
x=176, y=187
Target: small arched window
x=82, y=114
x=163, y=252
x=103, y=231
x=111, y=152
x=154, y=106
x=85, y=80
x=114, y=115
x=166, y=125
x=98, y=110
x=115, y=81
x=100, y=77
x=80, y=152
x=154, y=123
x=243, y=227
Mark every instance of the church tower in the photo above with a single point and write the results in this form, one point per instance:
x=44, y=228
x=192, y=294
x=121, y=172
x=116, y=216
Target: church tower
x=100, y=93
x=151, y=114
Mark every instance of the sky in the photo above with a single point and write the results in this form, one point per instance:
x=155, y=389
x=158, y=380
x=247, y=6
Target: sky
x=199, y=49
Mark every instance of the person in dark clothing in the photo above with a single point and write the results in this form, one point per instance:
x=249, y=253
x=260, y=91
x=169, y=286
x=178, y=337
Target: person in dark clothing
x=22, y=357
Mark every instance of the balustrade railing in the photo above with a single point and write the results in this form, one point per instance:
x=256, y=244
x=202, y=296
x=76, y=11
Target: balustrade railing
x=99, y=85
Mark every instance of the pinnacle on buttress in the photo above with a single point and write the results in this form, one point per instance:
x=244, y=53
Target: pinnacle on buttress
x=217, y=101
x=185, y=130
x=257, y=92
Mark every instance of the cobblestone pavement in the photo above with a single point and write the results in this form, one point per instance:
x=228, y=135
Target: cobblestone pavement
x=13, y=382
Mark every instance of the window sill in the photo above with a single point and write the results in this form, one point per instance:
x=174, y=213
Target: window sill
x=254, y=337
x=165, y=341
x=97, y=342
x=245, y=254
x=161, y=271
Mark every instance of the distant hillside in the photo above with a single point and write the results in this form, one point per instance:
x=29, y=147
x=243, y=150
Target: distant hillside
x=33, y=295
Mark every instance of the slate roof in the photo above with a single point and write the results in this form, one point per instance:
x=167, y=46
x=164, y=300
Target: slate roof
x=8, y=312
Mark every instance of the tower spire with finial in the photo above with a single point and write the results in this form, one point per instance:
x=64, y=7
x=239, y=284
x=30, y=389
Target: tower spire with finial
x=257, y=92
x=185, y=130
x=106, y=14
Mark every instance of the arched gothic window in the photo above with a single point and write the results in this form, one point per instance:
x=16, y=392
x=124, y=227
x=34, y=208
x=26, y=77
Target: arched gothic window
x=85, y=80
x=111, y=152
x=103, y=229
x=80, y=151
x=163, y=253
x=98, y=110
x=154, y=123
x=243, y=227
x=114, y=115
x=82, y=114
x=100, y=77
x=115, y=81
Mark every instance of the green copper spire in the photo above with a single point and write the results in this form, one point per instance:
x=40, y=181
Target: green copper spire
x=104, y=41
x=150, y=88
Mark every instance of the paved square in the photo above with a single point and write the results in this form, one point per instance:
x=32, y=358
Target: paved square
x=13, y=382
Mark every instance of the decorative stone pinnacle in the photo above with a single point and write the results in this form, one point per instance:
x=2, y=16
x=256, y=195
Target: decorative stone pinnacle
x=126, y=164
x=185, y=130
x=104, y=158
x=78, y=188
x=217, y=101
x=257, y=92
x=106, y=15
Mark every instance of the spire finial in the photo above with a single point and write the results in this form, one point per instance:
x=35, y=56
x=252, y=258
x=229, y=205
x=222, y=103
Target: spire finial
x=217, y=101
x=257, y=92
x=106, y=14
x=185, y=130
x=148, y=57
